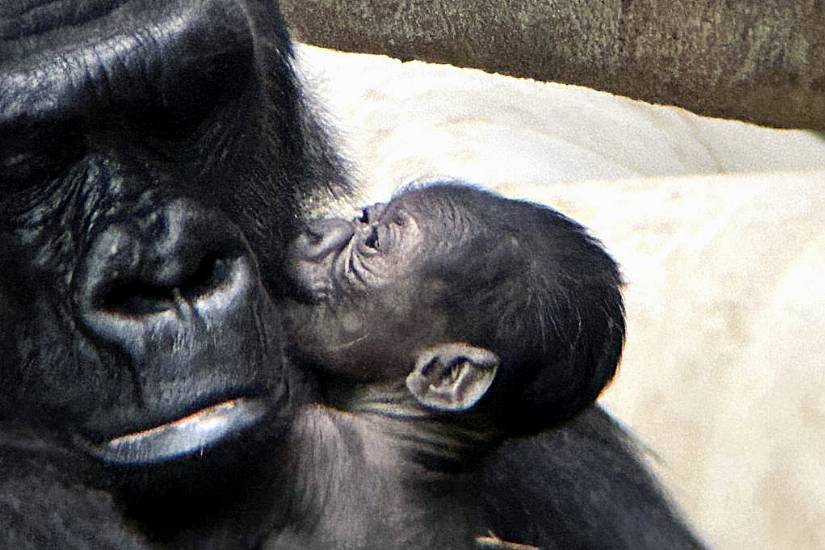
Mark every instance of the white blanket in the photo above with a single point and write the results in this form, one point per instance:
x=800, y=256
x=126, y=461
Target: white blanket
x=720, y=230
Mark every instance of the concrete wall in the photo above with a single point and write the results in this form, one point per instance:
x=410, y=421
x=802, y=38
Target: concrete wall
x=762, y=61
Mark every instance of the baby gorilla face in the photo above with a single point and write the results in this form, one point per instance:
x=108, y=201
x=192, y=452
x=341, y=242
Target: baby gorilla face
x=364, y=305
x=450, y=263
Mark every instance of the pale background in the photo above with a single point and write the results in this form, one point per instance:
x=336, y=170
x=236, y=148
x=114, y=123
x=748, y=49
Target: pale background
x=720, y=230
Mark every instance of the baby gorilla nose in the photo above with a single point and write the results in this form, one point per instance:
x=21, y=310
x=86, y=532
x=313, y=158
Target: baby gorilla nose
x=321, y=238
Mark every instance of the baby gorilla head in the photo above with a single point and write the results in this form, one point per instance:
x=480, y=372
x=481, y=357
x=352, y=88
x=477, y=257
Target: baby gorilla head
x=461, y=286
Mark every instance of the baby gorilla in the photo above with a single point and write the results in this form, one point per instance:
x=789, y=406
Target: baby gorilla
x=444, y=322
x=504, y=307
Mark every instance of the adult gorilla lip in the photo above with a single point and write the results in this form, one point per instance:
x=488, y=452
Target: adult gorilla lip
x=183, y=437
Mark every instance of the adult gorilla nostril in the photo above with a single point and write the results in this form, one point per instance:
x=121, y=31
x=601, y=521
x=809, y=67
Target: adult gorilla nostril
x=135, y=298
x=212, y=274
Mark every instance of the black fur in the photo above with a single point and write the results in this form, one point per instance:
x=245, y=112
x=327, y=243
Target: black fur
x=450, y=263
x=580, y=485
x=537, y=289
x=154, y=160
x=450, y=276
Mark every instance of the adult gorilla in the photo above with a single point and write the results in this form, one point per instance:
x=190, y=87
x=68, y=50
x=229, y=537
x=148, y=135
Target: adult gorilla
x=154, y=160
x=154, y=156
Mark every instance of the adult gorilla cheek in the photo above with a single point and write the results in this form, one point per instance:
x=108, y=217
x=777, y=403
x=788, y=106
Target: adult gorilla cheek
x=177, y=296
x=184, y=437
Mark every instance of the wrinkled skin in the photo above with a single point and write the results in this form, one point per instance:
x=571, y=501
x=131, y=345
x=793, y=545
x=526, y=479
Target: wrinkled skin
x=365, y=307
x=426, y=282
x=449, y=263
x=154, y=160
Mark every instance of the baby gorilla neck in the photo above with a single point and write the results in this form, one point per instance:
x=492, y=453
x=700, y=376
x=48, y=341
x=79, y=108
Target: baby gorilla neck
x=432, y=440
x=359, y=475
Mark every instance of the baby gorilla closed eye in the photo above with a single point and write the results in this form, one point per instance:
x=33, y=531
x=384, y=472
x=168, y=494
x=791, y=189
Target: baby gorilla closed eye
x=470, y=297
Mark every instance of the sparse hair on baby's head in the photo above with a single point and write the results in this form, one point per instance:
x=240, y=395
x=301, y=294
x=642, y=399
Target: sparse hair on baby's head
x=534, y=287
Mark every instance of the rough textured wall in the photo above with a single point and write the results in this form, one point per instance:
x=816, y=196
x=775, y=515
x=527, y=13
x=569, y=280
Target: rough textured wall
x=762, y=61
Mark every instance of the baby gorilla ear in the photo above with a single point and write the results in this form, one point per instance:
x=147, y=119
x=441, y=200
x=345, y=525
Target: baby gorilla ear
x=453, y=376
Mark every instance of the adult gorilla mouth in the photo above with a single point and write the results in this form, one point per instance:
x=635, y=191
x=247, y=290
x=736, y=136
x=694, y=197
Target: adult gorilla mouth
x=185, y=436
x=176, y=303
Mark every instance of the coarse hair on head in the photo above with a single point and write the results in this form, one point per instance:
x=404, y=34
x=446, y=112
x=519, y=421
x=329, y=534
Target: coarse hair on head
x=531, y=285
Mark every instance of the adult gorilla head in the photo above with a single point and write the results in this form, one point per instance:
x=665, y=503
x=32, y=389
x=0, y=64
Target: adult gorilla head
x=153, y=160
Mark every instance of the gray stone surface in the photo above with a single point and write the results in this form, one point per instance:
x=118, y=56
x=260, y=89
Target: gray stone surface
x=762, y=61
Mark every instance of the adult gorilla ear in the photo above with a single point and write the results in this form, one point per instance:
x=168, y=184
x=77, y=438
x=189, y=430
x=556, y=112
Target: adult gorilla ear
x=452, y=377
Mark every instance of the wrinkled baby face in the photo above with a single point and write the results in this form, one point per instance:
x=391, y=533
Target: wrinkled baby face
x=151, y=158
x=365, y=303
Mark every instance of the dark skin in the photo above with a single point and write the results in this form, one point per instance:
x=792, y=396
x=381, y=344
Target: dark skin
x=156, y=158
x=394, y=294
x=363, y=314
x=372, y=315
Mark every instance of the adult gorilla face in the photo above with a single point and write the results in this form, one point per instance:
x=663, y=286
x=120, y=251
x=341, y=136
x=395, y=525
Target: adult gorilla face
x=151, y=157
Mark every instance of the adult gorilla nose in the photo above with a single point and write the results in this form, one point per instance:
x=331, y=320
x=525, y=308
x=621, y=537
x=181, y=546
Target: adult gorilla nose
x=322, y=237
x=169, y=301
x=175, y=267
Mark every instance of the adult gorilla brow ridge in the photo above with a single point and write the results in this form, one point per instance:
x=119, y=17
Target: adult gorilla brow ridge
x=67, y=79
x=98, y=350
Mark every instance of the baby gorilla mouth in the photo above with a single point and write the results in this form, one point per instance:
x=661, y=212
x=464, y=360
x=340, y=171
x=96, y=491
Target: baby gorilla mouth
x=182, y=437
